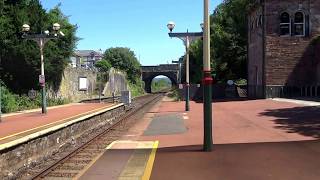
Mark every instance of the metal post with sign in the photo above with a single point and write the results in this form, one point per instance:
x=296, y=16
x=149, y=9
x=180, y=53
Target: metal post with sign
x=41, y=39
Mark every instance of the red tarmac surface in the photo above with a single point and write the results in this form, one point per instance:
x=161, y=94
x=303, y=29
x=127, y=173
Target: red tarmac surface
x=260, y=139
x=22, y=122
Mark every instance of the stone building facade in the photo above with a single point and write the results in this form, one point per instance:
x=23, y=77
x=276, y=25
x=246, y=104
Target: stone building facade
x=283, y=48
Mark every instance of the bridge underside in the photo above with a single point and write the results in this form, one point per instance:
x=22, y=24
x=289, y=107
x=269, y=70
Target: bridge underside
x=148, y=77
x=150, y=72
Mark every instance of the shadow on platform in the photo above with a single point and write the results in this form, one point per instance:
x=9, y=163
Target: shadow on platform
x=263, y=161
x=302, y=120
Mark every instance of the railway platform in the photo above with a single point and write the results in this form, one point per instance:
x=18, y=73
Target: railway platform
x=17, y=127
x=258, y=139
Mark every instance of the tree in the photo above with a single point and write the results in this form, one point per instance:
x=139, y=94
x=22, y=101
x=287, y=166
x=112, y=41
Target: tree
x=228, y=43
x=20, y=59
x=125, y=60
x=103, y=65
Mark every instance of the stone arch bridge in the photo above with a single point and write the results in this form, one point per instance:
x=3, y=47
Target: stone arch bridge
x=169, y=70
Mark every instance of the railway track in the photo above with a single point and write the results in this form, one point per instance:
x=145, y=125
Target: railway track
x=69, y=164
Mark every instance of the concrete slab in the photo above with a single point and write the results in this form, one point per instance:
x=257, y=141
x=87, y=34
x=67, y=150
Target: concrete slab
x=166, y=124
x=123, y=160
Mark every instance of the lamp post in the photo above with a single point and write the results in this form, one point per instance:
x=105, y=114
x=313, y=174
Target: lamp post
x=180, y=64
x=207, y=81
x=187, y=38
x=41, y=39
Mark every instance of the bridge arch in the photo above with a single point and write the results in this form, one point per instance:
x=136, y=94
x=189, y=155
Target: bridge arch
x=150, y=72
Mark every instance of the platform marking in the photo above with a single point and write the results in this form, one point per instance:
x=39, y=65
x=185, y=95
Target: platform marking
x=148, y=169
x=139, y=165
x=72, y=117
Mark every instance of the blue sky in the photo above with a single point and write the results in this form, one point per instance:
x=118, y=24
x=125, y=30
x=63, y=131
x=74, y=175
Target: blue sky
x=137, y=24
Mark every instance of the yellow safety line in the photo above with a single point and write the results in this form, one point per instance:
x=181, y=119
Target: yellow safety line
x=82, y=172
x=148, y=170
x=53, y=122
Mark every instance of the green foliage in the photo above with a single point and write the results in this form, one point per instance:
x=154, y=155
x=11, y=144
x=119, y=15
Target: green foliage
x=228, y=43
x=158, y=85
x=19, y=58
x=241, y=82
x=103, y=65
x=125, y=60
x=174, y=93
x=136, y=88
x=11, y=102
x=8, y=100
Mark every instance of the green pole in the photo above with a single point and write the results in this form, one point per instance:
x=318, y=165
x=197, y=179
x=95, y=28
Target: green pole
x=207, y=82
x=207, y=111
x=187, y=97
x=44, y=102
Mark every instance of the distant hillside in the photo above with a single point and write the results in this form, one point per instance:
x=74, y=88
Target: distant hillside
x=162, y=78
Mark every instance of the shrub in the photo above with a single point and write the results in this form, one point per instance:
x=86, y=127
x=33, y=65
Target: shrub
x=11, y=102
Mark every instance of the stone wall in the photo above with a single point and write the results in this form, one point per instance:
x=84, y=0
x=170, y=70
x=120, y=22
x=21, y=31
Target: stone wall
x=116, y=83
x=69, y=86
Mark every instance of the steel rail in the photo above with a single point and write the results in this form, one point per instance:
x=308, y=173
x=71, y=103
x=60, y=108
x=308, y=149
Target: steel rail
x=134, y=110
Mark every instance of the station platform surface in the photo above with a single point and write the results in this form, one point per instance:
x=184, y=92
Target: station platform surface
x=16, y=125
x=258, y=139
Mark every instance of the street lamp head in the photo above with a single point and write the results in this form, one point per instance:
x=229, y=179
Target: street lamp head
x=202, y=26
x=56, y=27
x=25, y=28
x=171, y=25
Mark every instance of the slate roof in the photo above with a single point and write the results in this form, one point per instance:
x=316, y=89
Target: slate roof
x=86, y=53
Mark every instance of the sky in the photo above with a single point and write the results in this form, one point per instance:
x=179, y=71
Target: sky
x=137, y=24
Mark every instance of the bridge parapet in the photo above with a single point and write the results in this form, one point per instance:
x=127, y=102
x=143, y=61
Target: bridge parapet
x=161, y=68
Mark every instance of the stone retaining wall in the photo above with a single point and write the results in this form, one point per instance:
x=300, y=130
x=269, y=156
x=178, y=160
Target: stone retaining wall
x=27, y=155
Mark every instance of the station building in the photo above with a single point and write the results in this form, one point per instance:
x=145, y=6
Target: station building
x=284, y=48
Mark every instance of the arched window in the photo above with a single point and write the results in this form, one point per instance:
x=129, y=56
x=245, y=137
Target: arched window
x=285, y=28
x=299, y=24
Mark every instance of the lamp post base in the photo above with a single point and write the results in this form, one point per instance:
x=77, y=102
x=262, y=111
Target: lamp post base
x=44, y=102
x=187, y=97
x=207, y=82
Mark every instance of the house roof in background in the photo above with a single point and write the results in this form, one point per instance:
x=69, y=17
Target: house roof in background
x=85, y=53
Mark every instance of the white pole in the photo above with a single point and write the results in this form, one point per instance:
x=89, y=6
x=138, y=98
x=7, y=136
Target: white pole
x=206, y=38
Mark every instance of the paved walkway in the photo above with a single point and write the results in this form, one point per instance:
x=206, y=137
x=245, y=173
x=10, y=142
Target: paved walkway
x=22, y=124
x=260, y=139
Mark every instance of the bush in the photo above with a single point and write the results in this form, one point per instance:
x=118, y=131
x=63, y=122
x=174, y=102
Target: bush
x=8, y=101
x=136, y=88
x=241, y=82
x=174, y=93
x=11, y=102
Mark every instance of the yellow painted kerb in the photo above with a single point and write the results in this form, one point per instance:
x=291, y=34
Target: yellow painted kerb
x=148, y=170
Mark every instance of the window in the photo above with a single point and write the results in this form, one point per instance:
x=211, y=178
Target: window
x=299, y=24
x=285, y=28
